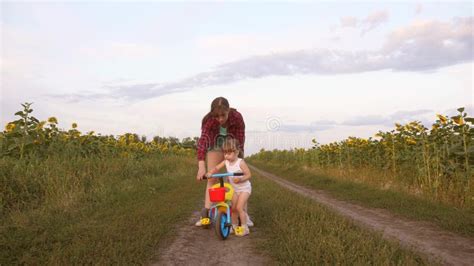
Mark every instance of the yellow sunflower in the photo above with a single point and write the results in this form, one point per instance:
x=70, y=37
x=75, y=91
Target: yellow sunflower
x=10, y=127
x=53, y=120
x=458, y=120
x=442, y=118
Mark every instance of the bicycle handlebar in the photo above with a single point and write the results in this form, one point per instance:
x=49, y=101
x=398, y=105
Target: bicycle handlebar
x=224, y=175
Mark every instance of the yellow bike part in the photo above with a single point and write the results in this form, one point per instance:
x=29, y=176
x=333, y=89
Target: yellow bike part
x=229, y=191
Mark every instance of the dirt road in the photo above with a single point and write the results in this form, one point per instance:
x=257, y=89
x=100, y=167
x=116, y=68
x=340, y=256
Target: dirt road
x=197, y=246
x=427, y=238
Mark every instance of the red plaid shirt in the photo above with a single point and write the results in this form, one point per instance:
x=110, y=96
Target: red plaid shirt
x=210, y=131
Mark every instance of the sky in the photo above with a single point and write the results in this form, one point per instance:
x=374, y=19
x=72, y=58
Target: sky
x=296, y=71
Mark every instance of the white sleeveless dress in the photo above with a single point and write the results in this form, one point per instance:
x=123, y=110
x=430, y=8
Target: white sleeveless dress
x=235, y=168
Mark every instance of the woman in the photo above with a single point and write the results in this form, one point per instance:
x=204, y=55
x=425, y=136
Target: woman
x=221, y=122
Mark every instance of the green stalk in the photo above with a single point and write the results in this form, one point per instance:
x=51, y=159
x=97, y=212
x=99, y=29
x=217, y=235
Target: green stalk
x=340, y=161
x=25, y=131
x=426, y=161
x=393, y=157
x=466, y=161
x=328, y=160
x=437, y=170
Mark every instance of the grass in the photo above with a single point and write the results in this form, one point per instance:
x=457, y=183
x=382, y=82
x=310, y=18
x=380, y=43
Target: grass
x=121, y=210
x=460, y=221
x=299, y=231
x=93, y=211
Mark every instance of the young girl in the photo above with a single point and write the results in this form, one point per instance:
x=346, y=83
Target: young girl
x=241, y=184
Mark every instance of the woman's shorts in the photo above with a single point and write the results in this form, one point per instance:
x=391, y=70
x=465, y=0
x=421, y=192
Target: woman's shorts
x=219, y=143
x=218, y=146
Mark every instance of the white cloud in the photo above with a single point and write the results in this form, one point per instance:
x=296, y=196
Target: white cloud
x=418, y=9
x=397, y=117
x=220, y=48
x=120, y=50
x=431, y=44
x=223, y=48
x=421, y=46
x=350, y=22
x=364, y=120
x=16, y=61
x=366, y=24
x=226, y=42
x=373, y=20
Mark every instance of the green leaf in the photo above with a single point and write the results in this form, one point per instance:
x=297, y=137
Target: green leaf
x=12, y=146
x=20, y=113
x=470, y=150
x=28, y=140
x=461, y=109
x=461, y=153
x=469, y=119
x=456, y=147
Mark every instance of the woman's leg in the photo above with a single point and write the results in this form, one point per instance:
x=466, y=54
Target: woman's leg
x=213, y=159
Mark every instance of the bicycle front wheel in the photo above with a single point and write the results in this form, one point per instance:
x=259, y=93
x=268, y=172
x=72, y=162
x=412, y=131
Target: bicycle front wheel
x=221, y=226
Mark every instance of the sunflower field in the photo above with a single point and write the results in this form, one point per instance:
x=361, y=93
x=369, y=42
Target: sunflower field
x=41, y=163
x=29, y=137
x=437, y=163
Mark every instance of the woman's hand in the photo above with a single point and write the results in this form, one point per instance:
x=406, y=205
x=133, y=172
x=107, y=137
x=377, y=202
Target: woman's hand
x=201, y=172
x=236, y=180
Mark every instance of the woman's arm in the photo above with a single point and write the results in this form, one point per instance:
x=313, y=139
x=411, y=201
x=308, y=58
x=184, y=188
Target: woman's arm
x=201, y=170
x=202, y=145
x=238, y=130
x=245, y=169
x=240, y=135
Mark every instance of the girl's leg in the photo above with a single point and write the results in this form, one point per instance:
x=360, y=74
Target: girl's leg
x=235, y=213
x=248, y=217
x=241, y=201
x=213, y=159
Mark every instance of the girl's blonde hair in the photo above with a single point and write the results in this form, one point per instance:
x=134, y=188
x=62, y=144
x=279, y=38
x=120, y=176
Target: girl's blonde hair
x=218, y=104
x=230, y=144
